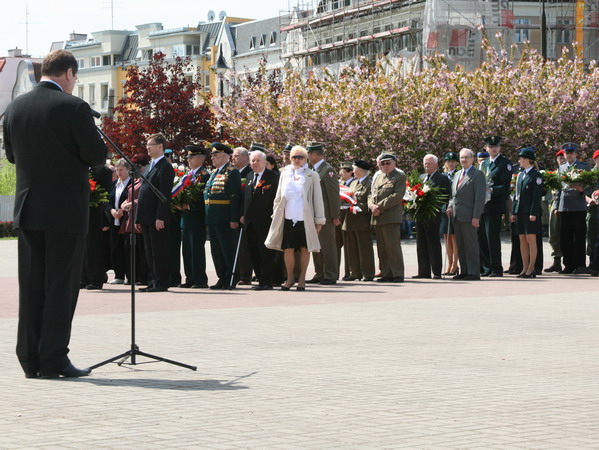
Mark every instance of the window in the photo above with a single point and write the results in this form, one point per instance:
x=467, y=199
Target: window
x=262, y=41
x=92, y=94
x=335, y=4
x=179, y=50
x=95, y=61
x=273, y=38
x=81, y=63
x=106, y=60
x=207, y=83
x=252, y=43
x=564, y=33
x=192, y=50
x=80, y=92
x=521, y=34
x=104, y=95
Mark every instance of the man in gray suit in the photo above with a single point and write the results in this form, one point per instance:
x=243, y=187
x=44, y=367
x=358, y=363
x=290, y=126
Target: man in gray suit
x=465, y=208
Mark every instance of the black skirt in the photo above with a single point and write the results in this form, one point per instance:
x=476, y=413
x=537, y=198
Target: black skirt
x=445, y=222
x=294, y=236
x=525, y=226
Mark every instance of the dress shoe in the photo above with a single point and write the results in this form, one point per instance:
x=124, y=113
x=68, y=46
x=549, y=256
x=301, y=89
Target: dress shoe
x=436, y=277
x=367, y=279
x=594, y=273
x=156, y=289
x=496, y=275
x=529, y=275
x=398, y=280
x=451, y=274
x=555, y=267
x=185, y=285
x=262, y=288
x=32, y=374
x=327, y=282
x=471, y=278
x=301, y=288
x=384, y=280
x=218, y=285
x=69, y=371
x=244, y=283
x=459, y=276
x=566, y=271
x=93, y=287
x=486, y=273
x=285, y=288
x=418, y=277
x=117, y=281
x=313, y=281
x=349, y=278
x=199, y=286
x=580, y=271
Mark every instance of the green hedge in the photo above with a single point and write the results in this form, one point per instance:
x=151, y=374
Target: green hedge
x=8, y=178
x=6, y=230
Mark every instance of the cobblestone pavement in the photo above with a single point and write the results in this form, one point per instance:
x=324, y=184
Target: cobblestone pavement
x=503, y=363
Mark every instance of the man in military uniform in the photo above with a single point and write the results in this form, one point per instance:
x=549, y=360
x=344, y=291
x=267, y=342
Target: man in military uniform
x=572, y=208
x=498, y=173
x=555, y=223
x=356, y=225
x=325, y=262
x=385, y=204
x=224, y=201
x=193, y=223
x=346, y=176
x=286, y=155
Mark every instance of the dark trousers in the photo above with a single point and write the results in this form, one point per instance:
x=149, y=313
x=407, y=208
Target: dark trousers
x=573, y=239
x=174, y=243
x=194, y=253
x=156, y=246
x=483, y=247
x=223, y=243
x=117, y=252
x=492, y=230
x=94, y=260
x=141, y=264
x=361, y=253
x=244, y=261
x=428, y=248
x=263, y=259
x=49, y=275
x=594, y=266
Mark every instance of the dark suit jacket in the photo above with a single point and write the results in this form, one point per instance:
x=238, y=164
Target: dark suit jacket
x=441, y=180
x=529, y=191
x=52, y=164
x=499, y=174
x=150, y=208
x=258, y=201
x=196, y=214
x=99, y=216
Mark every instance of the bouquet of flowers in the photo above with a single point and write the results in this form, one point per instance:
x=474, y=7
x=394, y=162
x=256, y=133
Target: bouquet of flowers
x=188, y=188
x=422, y=201
x=584, y=178
x=551, y=180
x=97, y=194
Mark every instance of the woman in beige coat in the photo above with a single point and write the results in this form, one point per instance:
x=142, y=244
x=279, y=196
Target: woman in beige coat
x=298, y=215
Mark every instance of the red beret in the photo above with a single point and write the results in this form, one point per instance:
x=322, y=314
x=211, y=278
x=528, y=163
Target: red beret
x=596, y=154
x=560, y=153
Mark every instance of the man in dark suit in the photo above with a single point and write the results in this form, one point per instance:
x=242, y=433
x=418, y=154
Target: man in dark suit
x=224, y=203
x=193, y=223
x=428, y=240
x=259, y=196
x=498, y=173
x=465, y=208
x=154, y=215
x=572, y=208
x=241, y=161
x=325, y=261
x=51, y=137
x=118, y=195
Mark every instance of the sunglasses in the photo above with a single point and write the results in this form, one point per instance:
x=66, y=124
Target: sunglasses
x=298, y=157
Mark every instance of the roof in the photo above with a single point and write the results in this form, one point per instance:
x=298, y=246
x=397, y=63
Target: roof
x=212, y=30
x=129, y=52
x=254, y=32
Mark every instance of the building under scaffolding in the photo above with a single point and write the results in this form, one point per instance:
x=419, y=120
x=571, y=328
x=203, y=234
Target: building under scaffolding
x=335, y=33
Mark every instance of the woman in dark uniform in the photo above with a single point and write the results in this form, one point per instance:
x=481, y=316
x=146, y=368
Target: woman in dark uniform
x=526, y=210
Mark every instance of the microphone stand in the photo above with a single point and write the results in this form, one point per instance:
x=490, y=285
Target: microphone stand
x=134, y=350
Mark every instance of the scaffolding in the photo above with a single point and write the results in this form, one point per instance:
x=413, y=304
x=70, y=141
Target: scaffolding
x=334, y=33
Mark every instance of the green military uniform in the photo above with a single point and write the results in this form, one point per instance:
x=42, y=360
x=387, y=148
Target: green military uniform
x=387, y=193
x=357, y=229
x=223, y=199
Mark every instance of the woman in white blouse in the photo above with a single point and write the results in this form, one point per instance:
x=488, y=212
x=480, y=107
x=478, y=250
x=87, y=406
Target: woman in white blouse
x=298, y=215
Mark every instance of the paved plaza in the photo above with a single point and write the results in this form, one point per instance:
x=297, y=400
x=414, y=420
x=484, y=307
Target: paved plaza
x=500, y=363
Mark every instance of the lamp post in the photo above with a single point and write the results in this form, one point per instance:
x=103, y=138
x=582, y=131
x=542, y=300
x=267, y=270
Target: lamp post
x=543, y=30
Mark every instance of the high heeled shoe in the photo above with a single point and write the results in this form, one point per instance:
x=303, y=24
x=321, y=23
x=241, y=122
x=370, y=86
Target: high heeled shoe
x=529, y=275
x=301, y=288
x=285, y=288
x=521, y=275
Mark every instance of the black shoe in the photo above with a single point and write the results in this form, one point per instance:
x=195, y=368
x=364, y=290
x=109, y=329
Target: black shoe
x=594, y=273
x=580, y=271
x=496, y=274
x=32, y=374
x=471, y=278
x=156, y=289
x=327, y=282
x=367, y=279
x=93, y=287
x=69, y=371
x=285, y=288
x=486, y=273
x=398, y=280
x=528, y=275
x=199, y=286
x=218, y=285
x=262, y=288
x=566, y=271
x=349, y=278
x=185, y=285
x=313, y=281
x=384, y=280
x=417, y=277
x=555, y=267
x=301, y=288
x=436, y=277
x=459, y=276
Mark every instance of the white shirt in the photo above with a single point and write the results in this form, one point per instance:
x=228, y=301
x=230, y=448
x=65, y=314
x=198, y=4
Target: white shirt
x=53, y=82
x=294, y=194
x=119, y=188
x=155, y=161
x=257, y=177
x=317, y=165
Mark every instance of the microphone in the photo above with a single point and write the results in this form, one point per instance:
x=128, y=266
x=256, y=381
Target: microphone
x=95, y=113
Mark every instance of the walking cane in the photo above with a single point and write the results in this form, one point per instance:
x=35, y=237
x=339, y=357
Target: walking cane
x=231, y=286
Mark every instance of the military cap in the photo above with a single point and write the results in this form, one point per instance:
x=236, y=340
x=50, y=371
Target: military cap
x=596, y=154
x=217, y=147
x=288, y=147
x=387, y=157
x=493, y=141
x=362, y=164
x=527, y=152
x=168, y=152
x=195, y=150
x=347, y=165
x=256, y=146
x=482, y=155
x=570, y=147
x=560, y=153
x=451, y=156
x=315, y=147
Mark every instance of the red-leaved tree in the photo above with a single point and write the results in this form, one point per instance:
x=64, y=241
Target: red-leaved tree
x=160, y=98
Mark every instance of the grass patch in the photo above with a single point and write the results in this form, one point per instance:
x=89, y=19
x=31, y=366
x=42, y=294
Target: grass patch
x=8, y=178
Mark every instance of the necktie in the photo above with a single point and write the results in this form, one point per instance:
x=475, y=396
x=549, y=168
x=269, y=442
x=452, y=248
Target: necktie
x=152, y=164
x=461, y=177
x=428, y=177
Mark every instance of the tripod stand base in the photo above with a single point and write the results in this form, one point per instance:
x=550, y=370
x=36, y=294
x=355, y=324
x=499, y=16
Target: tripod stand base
x=135, y=351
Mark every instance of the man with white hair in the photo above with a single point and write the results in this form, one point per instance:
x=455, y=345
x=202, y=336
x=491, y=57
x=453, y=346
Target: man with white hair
x=428, y=240
x=241, y=161
x=466, y=206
